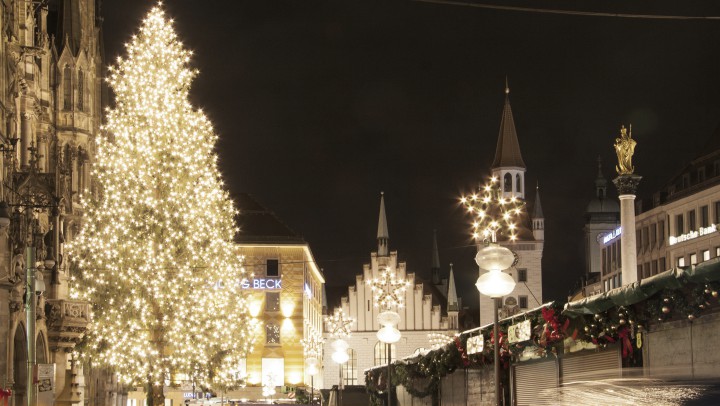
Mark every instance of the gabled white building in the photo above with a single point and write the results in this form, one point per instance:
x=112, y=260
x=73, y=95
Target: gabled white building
x=428, y=309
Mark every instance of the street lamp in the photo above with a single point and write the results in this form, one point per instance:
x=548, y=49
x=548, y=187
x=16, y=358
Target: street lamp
x=495, y=284
x=340, y=326
x=340, y=356
x=35, y=193
x=389, y=335
x=494, y=214
x=312, y=370
x=389, y=291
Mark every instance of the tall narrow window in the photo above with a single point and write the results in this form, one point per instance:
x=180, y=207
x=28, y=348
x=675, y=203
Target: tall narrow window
x=679, y=226
x=691, y=221
x=272, y=267
x=272, y=301
x=704, y=217
x=523, y=302
x=507, y=183
x=518, y=184
x=522, y=275
x=350, y=372
x=81, y=90
x=67, y=88
x=661, y=233
x=381, y=354
x=272, y=333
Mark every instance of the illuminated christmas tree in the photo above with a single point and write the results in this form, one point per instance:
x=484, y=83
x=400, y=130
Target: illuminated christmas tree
x=155, y=253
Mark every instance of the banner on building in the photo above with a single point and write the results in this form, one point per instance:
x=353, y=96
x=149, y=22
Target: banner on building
x=475, y=344
x=519, y=332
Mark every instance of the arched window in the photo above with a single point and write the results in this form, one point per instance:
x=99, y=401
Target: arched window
x=40, y=351
x=81, y=90
x=381, y=355
x=507, y=183
x=349, y=369
x=518, y=184
x=67, y=88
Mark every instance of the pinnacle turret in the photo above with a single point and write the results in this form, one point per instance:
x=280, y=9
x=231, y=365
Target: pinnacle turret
x=382, y=234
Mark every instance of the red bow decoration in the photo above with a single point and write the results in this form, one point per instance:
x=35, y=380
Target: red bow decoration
x=624, y=337
x=5, y=395
x=553, y=331
x=461, y=350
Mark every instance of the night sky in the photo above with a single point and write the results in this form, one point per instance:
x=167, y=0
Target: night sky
x=321, y=105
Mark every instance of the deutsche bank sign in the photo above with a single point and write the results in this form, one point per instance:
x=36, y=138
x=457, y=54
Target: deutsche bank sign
x=262, y=283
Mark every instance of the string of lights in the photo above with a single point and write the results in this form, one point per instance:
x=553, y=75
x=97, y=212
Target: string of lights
x=568, y=12
x=493, y=213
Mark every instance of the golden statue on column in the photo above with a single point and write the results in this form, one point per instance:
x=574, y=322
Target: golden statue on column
x=625, y=147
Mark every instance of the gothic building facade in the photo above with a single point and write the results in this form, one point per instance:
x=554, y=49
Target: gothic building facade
x=509, y=168
x=51, y=72
x=430, y=311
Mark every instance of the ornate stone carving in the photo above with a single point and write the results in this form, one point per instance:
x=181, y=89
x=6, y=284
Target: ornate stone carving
x=627, y=184
x=67, y=322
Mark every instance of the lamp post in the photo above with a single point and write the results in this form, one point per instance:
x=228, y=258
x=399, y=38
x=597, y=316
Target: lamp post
x=389, y=292
x=494, y=214
x=495, y=284
x=389, y=335
x=340, y=356
x=340, y=326
x=312, y=370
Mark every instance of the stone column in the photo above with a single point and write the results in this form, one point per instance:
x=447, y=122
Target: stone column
x=627, y=186
x=25, y=139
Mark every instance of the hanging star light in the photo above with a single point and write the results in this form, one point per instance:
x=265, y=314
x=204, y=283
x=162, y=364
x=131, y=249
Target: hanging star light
x=312, y=345
x=493, y=213
x=388, y=290
x=339, y=324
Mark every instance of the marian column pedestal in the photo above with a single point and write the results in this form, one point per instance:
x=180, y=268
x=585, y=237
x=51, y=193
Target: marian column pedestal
x=627, y=186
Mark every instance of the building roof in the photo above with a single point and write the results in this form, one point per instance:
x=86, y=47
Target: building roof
x=382, y=235
x=507, y=153
x=537, y=207
x=453, y=304
x=260, y=225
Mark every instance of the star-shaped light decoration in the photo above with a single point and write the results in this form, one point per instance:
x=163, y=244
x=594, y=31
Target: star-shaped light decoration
x=339, y=324
x=493, y=213
x=388, y=290
x=312, y=346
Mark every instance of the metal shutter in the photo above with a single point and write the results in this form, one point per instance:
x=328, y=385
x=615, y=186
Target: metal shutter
x=593, y=366
x=531, y=379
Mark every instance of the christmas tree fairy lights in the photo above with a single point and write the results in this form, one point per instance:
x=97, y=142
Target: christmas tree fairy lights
x=155, y=253
x=493, y=213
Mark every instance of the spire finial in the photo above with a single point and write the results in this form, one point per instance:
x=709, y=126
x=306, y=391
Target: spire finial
x=435, y=266
x=382, y=234
x=453, y=305
x=507, y=87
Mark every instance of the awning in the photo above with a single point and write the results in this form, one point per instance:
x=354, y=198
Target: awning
x=676, y=278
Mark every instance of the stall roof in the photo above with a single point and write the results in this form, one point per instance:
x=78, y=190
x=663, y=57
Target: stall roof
x=708, y=271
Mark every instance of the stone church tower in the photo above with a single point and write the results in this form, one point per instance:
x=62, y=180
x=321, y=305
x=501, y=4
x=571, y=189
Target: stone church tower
x=509, y=167
x=51, y=71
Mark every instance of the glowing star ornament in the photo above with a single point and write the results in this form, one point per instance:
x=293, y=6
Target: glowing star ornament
x=155, y=252
x=388, y=290
x=493, y=213
x=339, y=324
